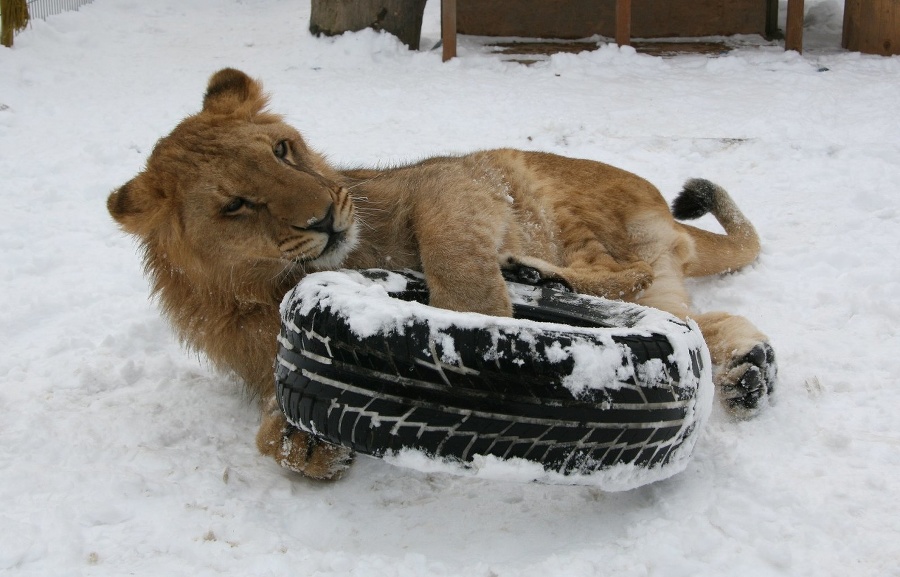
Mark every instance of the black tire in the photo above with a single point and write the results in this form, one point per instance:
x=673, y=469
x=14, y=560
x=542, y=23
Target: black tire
x=593, y=385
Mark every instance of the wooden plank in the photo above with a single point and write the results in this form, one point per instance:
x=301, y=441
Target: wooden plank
x=793, y=33
x=851, y=17
x=872, y=26
x=623, y=22
x=890, y=29
x=771, y=19
x=536, y=18
x=575, y=19
x=697, y=18
x=448, y=28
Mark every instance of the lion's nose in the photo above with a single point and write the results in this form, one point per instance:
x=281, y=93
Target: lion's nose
x=325, y=224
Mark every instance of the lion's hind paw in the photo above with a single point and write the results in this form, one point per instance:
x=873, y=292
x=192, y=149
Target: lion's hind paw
x=300, y=451
x=305, y=454
x=749, y=380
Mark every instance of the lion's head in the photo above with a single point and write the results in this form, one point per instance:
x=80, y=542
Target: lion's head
x=234, y=196
x=231, y=210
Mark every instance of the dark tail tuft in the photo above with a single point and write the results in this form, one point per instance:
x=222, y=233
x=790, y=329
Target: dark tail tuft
x=697, y=199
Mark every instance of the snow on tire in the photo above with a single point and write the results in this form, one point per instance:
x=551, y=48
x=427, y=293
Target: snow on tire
x=572, y=389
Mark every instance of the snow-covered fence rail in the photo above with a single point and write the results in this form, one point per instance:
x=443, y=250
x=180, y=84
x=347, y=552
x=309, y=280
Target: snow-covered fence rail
x=43, y=8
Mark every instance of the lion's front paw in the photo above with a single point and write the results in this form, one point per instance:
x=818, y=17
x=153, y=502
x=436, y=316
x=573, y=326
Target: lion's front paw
x=638, y=278
x=625, y=284
x=299, y=451
x=748, y=380
x=517, y=271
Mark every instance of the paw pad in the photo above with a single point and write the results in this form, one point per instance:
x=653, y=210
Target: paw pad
x=749, y=379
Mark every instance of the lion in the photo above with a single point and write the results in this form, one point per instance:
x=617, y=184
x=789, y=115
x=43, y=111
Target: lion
x=233, y=208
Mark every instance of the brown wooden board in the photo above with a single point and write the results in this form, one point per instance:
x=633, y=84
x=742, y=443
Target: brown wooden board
x=584, y=18
x=402, y=18
x=530, y=52
x=872, y=26
x=793, y=28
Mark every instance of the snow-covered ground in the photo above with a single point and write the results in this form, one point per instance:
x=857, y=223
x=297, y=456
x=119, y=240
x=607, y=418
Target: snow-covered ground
x=121, y=454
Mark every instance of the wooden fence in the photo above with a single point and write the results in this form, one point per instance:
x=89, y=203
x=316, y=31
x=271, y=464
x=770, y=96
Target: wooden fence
x=43, y=8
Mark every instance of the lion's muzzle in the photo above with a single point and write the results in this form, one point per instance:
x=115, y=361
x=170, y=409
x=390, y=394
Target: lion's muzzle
x=330, y=238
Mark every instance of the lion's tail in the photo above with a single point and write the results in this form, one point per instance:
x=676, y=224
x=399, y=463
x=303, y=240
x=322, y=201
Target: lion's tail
x=715, y=253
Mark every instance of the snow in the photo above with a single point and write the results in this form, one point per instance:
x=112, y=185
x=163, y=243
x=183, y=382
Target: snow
x=122, y=454
x=619, y=477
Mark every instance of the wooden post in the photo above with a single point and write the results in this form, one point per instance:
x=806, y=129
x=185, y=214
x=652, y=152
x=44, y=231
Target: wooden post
x=6, y=31
x=793, y=28
x=448, y=28
x=872, y=26
x=13, y=18
x=402, y=18
x=771, y=19
x=623, y=22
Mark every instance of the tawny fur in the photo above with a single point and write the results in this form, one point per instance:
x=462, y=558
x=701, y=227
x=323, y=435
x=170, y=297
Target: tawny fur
x=233, y=209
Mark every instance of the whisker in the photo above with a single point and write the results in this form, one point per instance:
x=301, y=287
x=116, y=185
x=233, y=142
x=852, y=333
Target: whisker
x=282, y=273
x=374, y=214
x=370, y=209
x=362, y=222
x=362, y=182
x=363, y=199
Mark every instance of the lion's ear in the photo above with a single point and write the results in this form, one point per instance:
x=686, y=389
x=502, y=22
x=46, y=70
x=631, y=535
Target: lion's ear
x=230, y=91
x=133, y=205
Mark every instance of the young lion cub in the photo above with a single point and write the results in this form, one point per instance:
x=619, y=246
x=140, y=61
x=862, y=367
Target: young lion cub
x=233, y=209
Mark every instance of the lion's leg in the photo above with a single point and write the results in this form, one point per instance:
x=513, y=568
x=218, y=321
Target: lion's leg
x=459, y=259
x=475, y=286
x=602, y=277
x=599, y=255
x=744, y=363
x=297, y=450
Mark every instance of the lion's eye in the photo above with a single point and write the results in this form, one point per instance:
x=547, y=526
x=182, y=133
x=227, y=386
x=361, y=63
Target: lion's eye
x=236, y=204
x=281, y=149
